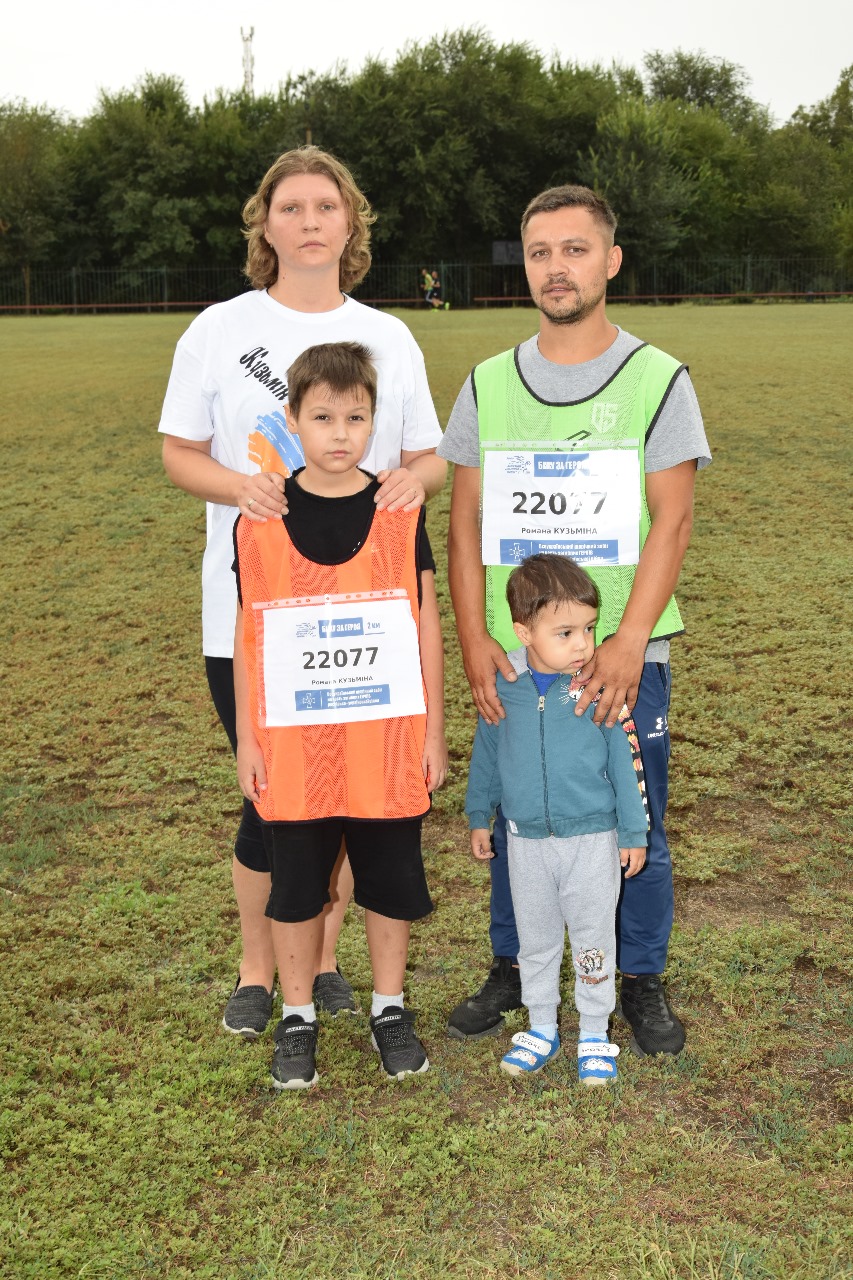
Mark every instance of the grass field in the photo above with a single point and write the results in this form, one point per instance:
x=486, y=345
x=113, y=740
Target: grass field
x=139, y=1140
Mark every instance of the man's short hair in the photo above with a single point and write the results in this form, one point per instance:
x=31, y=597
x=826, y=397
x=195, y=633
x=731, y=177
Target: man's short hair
x=341, y=366
x=571, y=197
x=545, y=580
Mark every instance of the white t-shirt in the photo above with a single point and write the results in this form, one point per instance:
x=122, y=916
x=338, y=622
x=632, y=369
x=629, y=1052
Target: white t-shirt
x=229, y=385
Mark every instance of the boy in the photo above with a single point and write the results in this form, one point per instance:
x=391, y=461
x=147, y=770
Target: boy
x=338, y=675
x=574, y=812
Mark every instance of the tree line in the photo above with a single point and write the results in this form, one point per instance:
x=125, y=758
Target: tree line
x=449, y=140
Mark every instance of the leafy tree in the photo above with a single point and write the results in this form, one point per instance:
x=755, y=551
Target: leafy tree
x=135, y=163
x=632, y=165
x=701, y=81
x=832, y=118
x=792, y=196
x=33, y=203
x=441, y=141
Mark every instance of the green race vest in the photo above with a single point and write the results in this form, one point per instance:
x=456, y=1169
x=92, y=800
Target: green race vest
x=618, y=415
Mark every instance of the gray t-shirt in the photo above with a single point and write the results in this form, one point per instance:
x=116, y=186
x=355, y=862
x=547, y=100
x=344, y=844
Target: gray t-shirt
x=677, y=435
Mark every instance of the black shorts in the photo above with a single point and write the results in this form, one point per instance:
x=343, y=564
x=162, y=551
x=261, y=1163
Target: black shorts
x=249, y=845
x=385, y=857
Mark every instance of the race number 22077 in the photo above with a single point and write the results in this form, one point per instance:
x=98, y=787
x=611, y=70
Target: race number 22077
x=322, y=659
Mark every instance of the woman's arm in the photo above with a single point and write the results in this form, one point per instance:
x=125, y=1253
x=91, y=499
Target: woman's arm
x=188, y=465
x=434, y=759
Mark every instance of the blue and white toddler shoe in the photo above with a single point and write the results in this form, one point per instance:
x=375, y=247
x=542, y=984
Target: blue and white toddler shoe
x=597, y=1062
x=530, y=1054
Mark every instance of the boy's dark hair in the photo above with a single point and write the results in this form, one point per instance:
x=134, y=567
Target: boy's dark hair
x=571, y=197
x=547, y=580
x=340, y=366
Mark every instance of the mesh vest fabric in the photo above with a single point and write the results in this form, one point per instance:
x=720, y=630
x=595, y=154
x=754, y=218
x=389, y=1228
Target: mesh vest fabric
x=620, y=412
x=368, y=769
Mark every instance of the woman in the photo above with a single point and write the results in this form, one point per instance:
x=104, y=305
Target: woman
x=226, y=441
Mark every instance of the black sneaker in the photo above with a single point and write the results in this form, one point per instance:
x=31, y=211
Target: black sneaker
x=394, y=1038
x=333, y=994
x=482, y=1014
x=248, y=1011
x=293, y=1065
x=656, y=1028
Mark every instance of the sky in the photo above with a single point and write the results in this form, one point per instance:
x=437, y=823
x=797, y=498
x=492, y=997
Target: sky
x=61, y=54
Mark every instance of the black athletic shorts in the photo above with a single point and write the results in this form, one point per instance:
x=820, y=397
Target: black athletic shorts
x=249, y=844
x=385, y=857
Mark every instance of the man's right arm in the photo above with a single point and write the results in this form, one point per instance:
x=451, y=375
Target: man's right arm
x=482, y=656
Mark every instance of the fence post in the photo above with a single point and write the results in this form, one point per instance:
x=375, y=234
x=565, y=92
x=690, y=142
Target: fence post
x=74, y=290
x=165, y=288
x=748, y=280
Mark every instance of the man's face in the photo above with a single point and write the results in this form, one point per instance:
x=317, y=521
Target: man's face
x=569, y=259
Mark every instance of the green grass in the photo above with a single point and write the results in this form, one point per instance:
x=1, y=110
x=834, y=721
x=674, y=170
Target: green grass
x=139, y=1140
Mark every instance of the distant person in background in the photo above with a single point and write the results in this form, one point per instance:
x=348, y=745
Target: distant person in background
x=434, y=294
x=226, y=441
x=425, y=284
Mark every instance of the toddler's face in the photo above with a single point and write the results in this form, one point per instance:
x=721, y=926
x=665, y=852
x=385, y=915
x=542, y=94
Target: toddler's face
x=561, y=639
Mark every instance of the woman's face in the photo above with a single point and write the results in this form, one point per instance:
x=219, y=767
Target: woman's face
x=307, y=223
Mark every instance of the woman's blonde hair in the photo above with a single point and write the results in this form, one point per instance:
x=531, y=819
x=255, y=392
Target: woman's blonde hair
x=262, y=260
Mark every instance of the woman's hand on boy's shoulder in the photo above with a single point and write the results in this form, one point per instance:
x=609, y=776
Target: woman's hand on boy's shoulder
x=434, y=760
x=481, y=845
x=399, y=489
x=260, y=497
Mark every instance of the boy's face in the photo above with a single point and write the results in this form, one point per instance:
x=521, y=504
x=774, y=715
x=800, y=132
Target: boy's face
x=333, y=429
x=560, y=639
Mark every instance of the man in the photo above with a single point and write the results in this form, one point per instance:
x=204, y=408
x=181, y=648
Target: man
x=603, y=434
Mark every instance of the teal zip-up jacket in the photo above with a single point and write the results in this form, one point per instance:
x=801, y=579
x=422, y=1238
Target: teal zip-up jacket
x=553, y=773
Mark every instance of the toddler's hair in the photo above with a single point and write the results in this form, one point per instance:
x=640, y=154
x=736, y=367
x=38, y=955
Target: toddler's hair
x=341, y=366
x=547, y=580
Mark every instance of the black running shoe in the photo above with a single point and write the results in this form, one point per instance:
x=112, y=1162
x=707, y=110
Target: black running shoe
x=333, y=994
x=482, y=1014
x=655, y=1026
x=394, y=1038
x=293, y=1065
x=248, y=1011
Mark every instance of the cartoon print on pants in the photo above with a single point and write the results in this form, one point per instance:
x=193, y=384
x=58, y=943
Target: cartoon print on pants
x=590, y=962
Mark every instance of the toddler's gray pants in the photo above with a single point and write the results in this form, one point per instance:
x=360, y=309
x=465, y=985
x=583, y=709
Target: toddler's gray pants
x=566, y=883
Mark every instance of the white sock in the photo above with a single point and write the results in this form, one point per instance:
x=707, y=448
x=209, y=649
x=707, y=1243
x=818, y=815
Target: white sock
x=548, y=1030
x=305, y=1011
x=379, y=1004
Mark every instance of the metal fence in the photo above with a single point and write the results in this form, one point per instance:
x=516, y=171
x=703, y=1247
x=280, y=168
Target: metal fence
x=464, y=284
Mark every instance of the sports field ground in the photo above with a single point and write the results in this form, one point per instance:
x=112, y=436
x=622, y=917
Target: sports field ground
x=140, y=1140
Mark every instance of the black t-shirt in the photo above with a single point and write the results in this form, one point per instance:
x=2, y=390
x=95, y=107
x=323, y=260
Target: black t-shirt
x=331, y=530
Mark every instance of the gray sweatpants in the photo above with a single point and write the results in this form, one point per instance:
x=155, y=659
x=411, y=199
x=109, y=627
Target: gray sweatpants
x=558, y=884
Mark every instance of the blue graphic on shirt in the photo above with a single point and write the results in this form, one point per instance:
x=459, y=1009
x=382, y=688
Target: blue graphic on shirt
x=273, y=427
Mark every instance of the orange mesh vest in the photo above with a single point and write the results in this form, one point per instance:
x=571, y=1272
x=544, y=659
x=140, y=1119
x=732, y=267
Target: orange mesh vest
x=364, y=769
